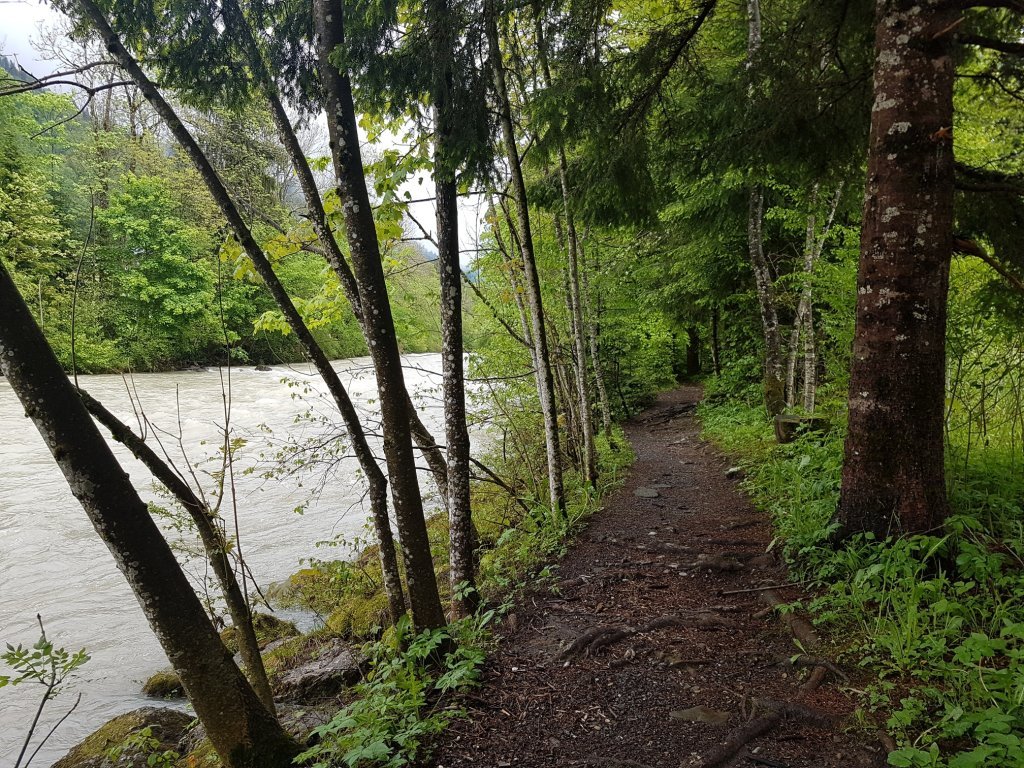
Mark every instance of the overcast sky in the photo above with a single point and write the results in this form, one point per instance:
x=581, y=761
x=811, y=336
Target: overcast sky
x=19, y=27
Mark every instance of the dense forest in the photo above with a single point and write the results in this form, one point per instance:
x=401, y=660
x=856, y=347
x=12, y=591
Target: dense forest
x=814, y=208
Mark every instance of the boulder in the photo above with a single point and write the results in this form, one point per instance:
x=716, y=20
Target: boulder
x=331, y=668
x=164, y=685
x=167, y=727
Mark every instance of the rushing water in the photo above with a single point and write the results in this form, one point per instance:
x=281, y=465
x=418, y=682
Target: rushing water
x=52, y=562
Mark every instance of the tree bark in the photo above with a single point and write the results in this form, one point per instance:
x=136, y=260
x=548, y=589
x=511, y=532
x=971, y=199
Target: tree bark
x=546, y=388
x=375, y=478
x=774, y=381
x=893, y=472
x=212, y=538
x=716, y=347
x=593, y=338
x=464, y=596
x=387, y=362
x=242, y=730
x=332, y=249
x=575, y=302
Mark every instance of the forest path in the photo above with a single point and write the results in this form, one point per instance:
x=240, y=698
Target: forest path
x=641, y=659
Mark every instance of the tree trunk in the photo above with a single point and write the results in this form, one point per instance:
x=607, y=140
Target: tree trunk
x=242, y=730
x=387, y=362
x=336, y=259
x=893, y=473
x=545, y=379
x=593, y=336
x=716, y=348
x=464, y=597
x=375, y=478
x=574, y=300
x=774, y=382
x=692, y=351
x=212, y=538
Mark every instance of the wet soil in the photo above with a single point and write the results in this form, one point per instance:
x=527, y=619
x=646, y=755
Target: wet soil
x=645, y=653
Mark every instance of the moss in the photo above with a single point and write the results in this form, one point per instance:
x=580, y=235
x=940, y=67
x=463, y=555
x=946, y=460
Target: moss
x=295, y=650
x=359, y=615
x=268, y=629
x=168, y=726
x=203, y=756
x=164, y=685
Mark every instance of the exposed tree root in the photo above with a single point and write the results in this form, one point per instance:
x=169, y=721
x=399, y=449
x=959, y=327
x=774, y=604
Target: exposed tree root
x=596, y=638
x=777, y=711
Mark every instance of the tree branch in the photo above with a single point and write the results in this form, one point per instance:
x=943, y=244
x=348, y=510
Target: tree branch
x=993, y=44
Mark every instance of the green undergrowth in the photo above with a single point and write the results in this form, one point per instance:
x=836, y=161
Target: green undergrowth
x=936, y=622
x=410, y=695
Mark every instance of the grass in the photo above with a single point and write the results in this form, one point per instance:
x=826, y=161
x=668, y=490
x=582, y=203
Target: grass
x=937, y=621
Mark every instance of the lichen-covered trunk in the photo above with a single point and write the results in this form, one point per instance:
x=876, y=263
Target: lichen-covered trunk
x=545, y=379
x=593, y=339
x=464, y=597
x=774, y=367
x=361, y=234
x=893, y=475
x=262, y=266
x=242, y=730
x=774, y=371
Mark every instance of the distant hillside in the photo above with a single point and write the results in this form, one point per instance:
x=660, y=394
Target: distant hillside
x=13, y=70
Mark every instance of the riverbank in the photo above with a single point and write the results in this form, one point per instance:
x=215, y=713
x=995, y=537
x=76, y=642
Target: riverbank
x=57, y=567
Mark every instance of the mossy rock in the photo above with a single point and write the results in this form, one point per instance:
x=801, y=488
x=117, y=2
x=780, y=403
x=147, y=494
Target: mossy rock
x=268, y=629
x=164, y=685
x=359, y=615
x=168, y=726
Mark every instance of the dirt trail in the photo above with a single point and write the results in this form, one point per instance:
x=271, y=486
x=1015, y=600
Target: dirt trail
x=640, y=659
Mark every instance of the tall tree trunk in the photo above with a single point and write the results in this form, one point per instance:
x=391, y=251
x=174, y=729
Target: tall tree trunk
x=336, y=259
x=893, y=473
x=774, y=381
x=464, y=599
x=546, y=388
x=369, y=272
x=318, y=218
x=593, y=336
x=574, y=300
x=375, y=478
x=242, y=730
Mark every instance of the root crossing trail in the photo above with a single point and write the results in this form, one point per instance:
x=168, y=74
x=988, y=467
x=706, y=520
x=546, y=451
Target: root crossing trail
x=642, y=657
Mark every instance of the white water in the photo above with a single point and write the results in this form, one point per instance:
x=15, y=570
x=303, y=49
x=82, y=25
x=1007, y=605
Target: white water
x=53, y=563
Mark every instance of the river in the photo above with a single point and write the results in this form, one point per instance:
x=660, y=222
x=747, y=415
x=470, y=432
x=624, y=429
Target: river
x=52, y=562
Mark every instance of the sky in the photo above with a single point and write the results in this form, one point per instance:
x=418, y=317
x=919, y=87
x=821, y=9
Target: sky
x=19, y=29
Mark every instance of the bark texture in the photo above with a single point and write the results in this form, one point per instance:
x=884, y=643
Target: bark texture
x=387, y=362
x=545, y=379
x=242, y=730
x=261, y=264
x=893, y=474
x=336, y=259
x=774, y=369
x=464, y=598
